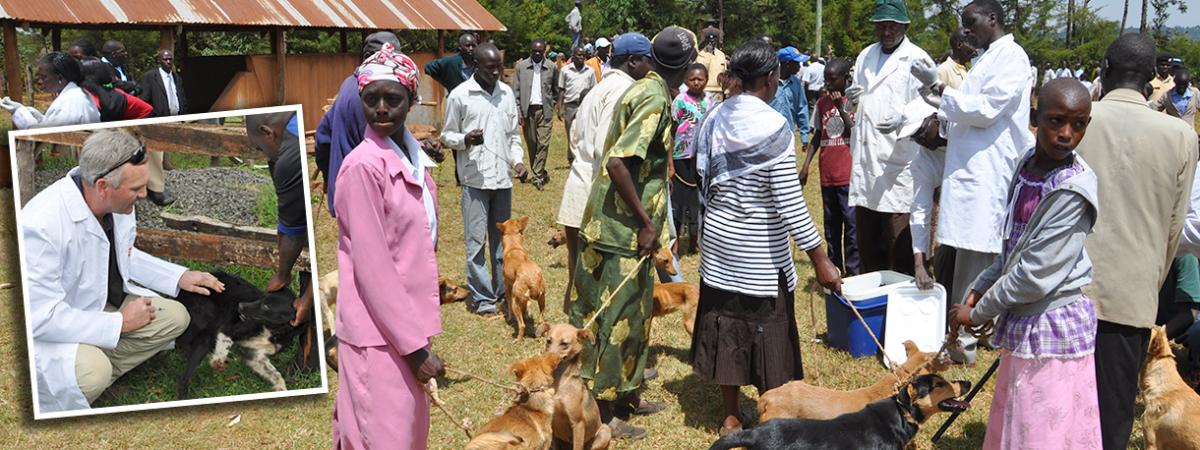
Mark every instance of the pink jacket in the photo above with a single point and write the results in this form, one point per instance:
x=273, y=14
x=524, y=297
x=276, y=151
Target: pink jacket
x=388, y=288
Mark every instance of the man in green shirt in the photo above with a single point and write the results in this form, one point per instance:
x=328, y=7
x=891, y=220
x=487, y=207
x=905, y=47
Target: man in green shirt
x=624, y=223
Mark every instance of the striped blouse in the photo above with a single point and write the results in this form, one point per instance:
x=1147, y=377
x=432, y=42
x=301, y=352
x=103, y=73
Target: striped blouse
x=743, y=239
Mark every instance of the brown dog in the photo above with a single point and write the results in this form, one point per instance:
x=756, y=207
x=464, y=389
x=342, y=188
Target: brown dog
x=1172, y=416
x=576, y=415
x=450, y=292
x=523, y=280
x=800, y=400
x=526, y=424
x=671, y=297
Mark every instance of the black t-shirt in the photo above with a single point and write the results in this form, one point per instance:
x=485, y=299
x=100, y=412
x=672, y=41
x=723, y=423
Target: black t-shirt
x=116, y=284
x=289, y=184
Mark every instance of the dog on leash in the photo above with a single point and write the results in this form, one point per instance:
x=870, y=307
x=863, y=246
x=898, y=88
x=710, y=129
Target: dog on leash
x=671, y=297
x=523, y=280
x=1172, y=416
x=244, y=315
x=890, y=423
x=800, y=400
x=576, y=415
x=527, y=423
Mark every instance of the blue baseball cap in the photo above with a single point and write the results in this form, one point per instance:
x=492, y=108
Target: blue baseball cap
x=788, y=54
x=631, y=44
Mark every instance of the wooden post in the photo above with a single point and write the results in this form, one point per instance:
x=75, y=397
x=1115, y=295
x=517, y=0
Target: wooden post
x=183, y=47
x=342, y=47
x=12, y=66
x=25, y=170
x=279, y=44
x=56, y=39
x=820, y=12
x=166, y=39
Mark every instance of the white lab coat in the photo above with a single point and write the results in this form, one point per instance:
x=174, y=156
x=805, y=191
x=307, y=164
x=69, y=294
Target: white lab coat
x=988, y=119
x=1190, y=242
x=66, y=261
x=927, y=167
x=880, y=178
x=73, y=106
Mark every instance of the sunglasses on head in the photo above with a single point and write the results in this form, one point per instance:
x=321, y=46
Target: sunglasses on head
x=138, y=157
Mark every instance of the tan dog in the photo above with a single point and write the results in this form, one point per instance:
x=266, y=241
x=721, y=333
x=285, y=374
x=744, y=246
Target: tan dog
x=558, y=237
x=576, y=415
x=1172, y=416
x=800, y=400
x=671, y=297
x=523, y=280
x=450, y=292
x=527, y=423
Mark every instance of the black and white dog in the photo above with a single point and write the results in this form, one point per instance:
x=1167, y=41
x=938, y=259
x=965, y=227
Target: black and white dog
x=243, y=314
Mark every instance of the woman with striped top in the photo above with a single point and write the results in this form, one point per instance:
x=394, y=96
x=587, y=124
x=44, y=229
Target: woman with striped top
x=745, y=330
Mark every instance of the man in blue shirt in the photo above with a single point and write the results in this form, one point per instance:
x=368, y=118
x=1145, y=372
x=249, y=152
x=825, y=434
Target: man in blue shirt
x=789, y=97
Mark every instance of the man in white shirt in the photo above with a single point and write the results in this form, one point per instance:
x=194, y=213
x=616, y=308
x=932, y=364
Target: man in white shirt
x=574, y=82
x=880, y=179
x=94, y=313
x=575, y=24
x=481, y=126
x=814, y=80
x=988, y=123
x=535, y=88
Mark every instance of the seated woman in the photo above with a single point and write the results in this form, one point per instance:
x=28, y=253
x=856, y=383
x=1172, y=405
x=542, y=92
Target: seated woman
x=57, y=73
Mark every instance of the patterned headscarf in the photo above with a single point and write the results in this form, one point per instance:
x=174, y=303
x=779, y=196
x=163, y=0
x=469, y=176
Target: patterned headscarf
x=389, y=64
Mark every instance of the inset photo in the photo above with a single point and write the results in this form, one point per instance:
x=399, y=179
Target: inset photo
x=165, y=262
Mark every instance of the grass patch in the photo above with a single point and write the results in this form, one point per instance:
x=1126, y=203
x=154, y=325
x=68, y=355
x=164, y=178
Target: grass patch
x=266, y=206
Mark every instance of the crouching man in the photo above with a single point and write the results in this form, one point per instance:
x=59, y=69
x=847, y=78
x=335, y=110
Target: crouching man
x=90, y=322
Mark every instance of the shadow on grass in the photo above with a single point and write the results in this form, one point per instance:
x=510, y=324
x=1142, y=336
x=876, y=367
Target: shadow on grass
x=701, y=403
x=659, y=350
x=971, y=436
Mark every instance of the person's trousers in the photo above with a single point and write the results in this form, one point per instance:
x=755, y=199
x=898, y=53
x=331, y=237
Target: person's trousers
x=569, y=112
x=884, y=241
x=1120, y=351
x=482, y=209
x=575, y=37
x=158, y=180
x=96, y=369
x=839, y=229
x=967, y=267
x=537, y=140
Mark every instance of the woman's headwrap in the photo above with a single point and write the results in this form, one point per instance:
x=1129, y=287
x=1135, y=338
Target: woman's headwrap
x=389, y=64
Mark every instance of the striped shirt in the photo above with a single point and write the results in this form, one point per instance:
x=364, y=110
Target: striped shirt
x=744, y=235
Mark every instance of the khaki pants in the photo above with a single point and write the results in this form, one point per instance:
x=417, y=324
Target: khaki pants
x=158, y=181
x=96, y=369
x=537, y=141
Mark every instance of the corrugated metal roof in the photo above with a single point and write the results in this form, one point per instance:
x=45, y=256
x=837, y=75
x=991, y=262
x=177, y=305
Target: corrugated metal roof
x=353, y=14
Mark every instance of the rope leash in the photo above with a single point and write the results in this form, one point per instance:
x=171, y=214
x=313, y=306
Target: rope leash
x=608, y=300
x=431, y=388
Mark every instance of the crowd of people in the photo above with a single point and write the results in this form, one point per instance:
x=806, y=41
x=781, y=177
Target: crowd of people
x=672, y=143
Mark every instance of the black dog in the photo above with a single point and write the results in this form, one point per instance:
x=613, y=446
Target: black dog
x=885, y=424
x=258, y=321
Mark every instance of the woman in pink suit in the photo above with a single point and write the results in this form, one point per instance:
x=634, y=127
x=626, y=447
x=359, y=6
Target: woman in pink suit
x=388, y=297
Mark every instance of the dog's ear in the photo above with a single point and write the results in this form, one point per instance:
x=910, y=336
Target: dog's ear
x=910, y=348
x=500, y=226
x=523, y=221
x=586, y=335
x=518, y=369
x=542, y=329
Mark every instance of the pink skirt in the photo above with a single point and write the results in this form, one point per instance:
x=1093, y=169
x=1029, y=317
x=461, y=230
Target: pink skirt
x=1044, y=404
x=379, y=402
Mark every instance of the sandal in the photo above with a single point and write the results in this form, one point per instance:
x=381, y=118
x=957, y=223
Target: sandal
x=623, y=430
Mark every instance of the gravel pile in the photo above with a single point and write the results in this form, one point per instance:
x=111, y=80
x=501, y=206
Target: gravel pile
x=224, y=193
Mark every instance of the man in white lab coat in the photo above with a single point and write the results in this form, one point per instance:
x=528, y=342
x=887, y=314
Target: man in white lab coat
x=881, y=180
x=988, y=118
x=90, y=322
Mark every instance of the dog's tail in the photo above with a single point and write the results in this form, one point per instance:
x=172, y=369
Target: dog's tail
x=744, y=438
x=494, y=440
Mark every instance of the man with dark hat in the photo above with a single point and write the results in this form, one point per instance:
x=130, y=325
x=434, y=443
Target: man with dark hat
x=624, y=222
x=1164, y=75
x=881, y=185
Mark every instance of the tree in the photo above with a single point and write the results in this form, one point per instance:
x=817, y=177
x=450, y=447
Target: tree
x=1124, y=15
x=1142, y=29
x=1162, y=12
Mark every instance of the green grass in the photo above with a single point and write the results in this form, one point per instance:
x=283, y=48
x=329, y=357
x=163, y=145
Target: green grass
x=266, y=206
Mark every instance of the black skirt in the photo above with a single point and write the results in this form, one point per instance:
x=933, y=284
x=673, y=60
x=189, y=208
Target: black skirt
x=742, y=340
x=685, y=203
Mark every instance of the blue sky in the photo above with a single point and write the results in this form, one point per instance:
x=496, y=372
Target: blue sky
x=1111, y=9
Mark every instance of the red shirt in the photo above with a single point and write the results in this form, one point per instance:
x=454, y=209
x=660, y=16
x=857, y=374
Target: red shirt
x=135, y=108
x=835, y=150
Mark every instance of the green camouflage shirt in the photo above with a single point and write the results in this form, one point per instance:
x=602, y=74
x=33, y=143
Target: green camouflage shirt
x=640, y=128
